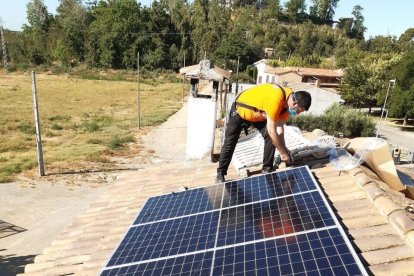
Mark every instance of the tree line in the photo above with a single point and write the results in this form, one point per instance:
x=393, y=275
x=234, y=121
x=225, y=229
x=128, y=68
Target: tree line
x=110, y=33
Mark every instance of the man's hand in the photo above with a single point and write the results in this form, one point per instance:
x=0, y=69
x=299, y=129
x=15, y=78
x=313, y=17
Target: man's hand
x=285, y=157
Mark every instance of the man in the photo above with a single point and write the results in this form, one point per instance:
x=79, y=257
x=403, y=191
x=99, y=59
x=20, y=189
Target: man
x=266, y=107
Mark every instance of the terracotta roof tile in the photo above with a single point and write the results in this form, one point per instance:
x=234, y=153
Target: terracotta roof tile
x=378, y=230
x=388, y=255
x=378, y=242
x=393, y=269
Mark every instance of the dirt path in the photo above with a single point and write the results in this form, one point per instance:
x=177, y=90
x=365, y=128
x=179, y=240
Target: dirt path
x=33, y=211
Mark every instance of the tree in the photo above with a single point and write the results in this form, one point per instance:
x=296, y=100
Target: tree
x=199, y=22
x=358, y=28
x=116, y=33
x=162, y=37
x=324, y=10
x=406, y=40
x=354, y=85
x=71, y=27
x=180, y=17
x=275, y=9
x=383, y=44
x=36, y=34
x=37, y=15
x=402, y=98
x=345, y=24
x=295, y=9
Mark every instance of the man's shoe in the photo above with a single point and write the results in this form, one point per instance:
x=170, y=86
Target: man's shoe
x=267, y=170
x=220, y=178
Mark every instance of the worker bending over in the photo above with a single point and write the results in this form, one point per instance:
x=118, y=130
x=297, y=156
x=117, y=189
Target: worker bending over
x=266, y=107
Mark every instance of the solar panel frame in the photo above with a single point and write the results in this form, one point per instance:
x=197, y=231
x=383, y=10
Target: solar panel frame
x=215, y=248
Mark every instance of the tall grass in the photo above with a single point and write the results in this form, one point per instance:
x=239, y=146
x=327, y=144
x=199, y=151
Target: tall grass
x=79, y=118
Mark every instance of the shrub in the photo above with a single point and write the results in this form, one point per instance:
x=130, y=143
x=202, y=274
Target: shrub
x=26, y=128
x=11, y=169
x=117, y=142
x=337, y=119
x=91, y=126
x=56, y=127
x=59, y=118
x=94, y=141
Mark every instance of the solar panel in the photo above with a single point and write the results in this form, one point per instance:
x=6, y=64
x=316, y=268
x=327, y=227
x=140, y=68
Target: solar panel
x=271, y=224
x=267, y=186
x=167, y=238
x=272, y=218
x=182, y=203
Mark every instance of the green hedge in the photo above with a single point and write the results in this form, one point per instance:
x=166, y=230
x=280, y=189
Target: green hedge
x=337, y=119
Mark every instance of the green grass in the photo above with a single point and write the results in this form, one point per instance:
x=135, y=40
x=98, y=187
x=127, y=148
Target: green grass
x=80, y=119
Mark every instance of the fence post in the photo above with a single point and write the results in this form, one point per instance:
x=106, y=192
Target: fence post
x=37, y=126
x=139, y=96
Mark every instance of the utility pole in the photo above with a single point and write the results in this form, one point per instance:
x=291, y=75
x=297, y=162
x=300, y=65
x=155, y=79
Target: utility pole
x=3, y=44
x=183, y=80
x=237, y=76
x=383, y=120
x=37, y=126
x=139, y=100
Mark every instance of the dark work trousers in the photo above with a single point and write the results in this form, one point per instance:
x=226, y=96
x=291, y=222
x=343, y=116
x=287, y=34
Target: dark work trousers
x=235, y=125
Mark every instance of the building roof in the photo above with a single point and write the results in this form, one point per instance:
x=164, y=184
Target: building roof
x=381, y=229
x=205, y=70
x=303, y=71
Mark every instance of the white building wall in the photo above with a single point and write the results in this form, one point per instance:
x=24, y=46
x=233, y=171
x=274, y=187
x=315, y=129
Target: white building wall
x=201, y=125
x=321, y=98
x=261, y=76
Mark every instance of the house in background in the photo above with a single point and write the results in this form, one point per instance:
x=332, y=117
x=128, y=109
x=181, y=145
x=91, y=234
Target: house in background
x=318, y=77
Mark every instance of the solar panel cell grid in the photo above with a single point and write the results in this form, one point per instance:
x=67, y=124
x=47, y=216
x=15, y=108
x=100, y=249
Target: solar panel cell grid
x=273, y=218
x=289, y=256
x=179, y=204
x=194, y=264
x=267, y=187
x=274, y=224
x=167, y=238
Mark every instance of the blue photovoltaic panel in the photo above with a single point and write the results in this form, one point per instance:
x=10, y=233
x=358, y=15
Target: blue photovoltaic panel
x=316, y=253
x=281, y=216
x=272, y=224
x=194, y=264
x=167, y=238
x=267, y=186
x=182, y=203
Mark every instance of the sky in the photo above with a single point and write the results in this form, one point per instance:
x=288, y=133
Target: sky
x=382, y=17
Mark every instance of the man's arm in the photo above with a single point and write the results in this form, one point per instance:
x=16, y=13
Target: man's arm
x=276, y=133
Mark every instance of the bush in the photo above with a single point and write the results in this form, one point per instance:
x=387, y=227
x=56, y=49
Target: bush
x=27, y=128
x=337, y=119
x=56, y=127
x=94, y=141
x=92, y=126
x=11, y=169
x=117, y=142
x=59, y=118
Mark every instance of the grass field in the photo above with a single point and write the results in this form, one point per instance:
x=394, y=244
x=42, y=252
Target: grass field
x=81, y=120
